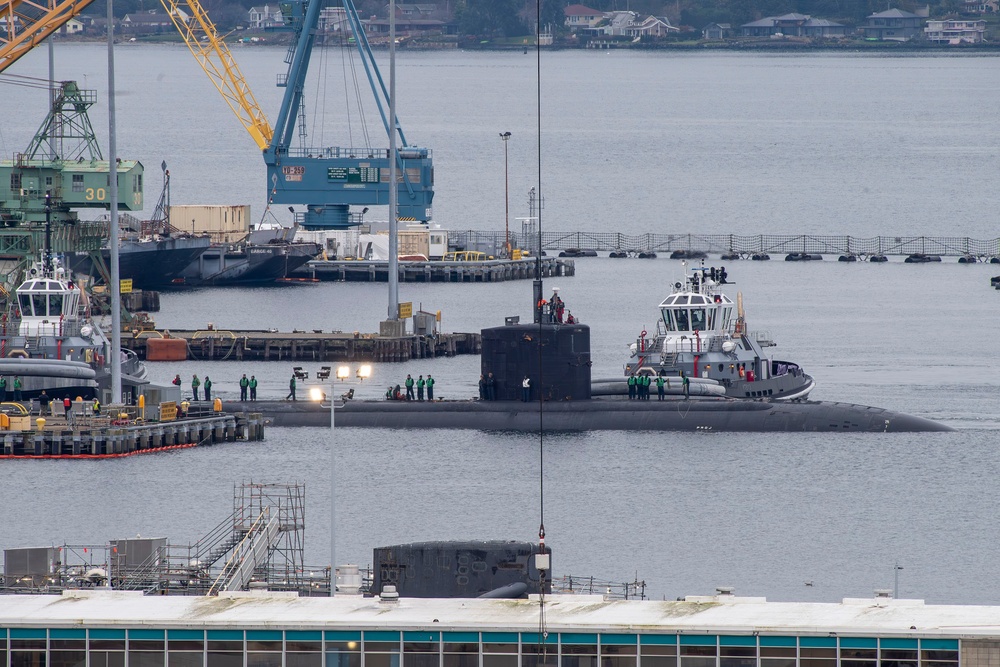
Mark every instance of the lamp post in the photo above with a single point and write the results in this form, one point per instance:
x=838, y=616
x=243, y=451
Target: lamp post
x=316, y=394
x=505, y=136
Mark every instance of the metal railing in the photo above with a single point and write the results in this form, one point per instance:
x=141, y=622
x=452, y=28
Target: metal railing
x=742, y=245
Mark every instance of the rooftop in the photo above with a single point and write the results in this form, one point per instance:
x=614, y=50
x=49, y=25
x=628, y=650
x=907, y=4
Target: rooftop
x=728, y=614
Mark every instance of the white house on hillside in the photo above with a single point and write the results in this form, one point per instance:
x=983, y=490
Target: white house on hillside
x=955, y=31
x=267, y=16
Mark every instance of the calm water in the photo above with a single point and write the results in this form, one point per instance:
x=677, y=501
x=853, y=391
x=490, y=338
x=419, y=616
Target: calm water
x=634, y=143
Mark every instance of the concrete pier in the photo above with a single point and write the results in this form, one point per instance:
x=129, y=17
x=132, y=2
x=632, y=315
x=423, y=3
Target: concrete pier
x=316, y=345
x=107, y=437
x=489, y=271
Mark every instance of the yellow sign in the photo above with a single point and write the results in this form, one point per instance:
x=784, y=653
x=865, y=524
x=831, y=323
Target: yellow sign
x=168, y=411
x=125, y=286
x=406, y=310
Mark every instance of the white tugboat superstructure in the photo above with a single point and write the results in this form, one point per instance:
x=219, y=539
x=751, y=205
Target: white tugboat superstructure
x=702, y=334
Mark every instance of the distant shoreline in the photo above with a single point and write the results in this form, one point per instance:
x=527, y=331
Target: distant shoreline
x=735, y=45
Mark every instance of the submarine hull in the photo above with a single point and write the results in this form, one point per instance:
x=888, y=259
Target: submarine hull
x=597, y=414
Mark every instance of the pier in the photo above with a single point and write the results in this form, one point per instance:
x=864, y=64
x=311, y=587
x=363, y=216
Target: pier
x=985, y=250
x=487, y=271
x=118, y=436
x=317, y=345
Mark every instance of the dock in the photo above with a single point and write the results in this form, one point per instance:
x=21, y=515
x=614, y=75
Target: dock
x=743, y=246
x=106, y=437
x=316, y=345
x=488, y=271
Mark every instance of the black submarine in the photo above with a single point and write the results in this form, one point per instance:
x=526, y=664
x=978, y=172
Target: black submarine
x=555, y=357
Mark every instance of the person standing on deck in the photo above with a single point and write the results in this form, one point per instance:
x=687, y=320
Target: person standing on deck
x=430, y=387
x=659, y=387
x=291, y=388
x=208, y=388
x=252, y=384
x=409, y=387
x=631, y=386
x=3, y=389
x=195, y=383
x=17, y=388
x=526, y=389
x=482, y=388
x=244, y=385
x=491, y=387
x=420, y=388
x=686, y=381
x=68, y=410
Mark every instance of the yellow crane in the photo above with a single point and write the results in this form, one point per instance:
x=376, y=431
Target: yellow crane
x=212, y=53
x=26, y=24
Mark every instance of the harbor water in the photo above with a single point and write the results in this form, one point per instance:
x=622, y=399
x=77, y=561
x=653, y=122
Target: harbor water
x=735, y=143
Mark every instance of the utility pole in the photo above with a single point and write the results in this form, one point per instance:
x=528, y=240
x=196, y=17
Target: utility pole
x=505, y=136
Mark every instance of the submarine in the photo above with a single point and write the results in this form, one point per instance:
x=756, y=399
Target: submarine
x=556, y=359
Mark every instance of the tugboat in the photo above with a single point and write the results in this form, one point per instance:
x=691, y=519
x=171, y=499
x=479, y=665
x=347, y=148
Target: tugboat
x=48, y=340
x=702, y=335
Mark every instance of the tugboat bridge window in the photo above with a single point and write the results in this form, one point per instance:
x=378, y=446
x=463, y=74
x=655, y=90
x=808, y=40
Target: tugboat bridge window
x=698, y=319
x=681, y=314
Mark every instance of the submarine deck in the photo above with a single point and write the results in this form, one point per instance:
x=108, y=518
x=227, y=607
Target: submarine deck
x=605, y=413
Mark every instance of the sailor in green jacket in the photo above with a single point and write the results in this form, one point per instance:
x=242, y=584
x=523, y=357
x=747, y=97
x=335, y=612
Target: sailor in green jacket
x=409, y=387
x=631, y=387
x=3, y=389
x=244, y=385
x=291, y=388
x=208, y=388
x=646, y=381
x=420, y=388
x=659, y=387
x=430, y=387
x=253, y=387
x=195, y=383
x=17, y=388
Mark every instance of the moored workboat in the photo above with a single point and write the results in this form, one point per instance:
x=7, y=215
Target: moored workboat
x=702, y=335
x=49, y=342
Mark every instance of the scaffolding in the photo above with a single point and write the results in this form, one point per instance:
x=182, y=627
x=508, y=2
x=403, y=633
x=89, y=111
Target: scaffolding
x=259, y=545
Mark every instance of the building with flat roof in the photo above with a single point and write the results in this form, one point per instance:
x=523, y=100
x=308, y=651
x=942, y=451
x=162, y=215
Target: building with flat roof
x=105, y=628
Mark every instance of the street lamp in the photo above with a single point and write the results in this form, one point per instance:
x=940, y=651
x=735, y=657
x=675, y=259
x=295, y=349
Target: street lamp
x=316, y=393
x=505, y=136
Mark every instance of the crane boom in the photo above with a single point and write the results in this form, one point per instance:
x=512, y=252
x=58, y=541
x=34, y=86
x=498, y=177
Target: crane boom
x=215, y=58
x=328, y=180
x=27, y=24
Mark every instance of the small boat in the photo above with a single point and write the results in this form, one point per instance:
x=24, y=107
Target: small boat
x=702, y=335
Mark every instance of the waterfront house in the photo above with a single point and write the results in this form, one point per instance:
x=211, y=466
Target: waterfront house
x=954, y=31
x=651, y=26
x=581, y=17
x=267, y=16
x=73, y=26
x=151, y=22
x=894, y=25
x=793, y=25
x=981, y=6
x=717, y=31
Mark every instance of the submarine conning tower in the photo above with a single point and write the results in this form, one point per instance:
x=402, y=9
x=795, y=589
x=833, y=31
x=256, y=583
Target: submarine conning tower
x=555, y=357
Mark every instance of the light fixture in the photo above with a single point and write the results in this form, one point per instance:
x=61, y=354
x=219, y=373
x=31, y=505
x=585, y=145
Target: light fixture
x=343, y=372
